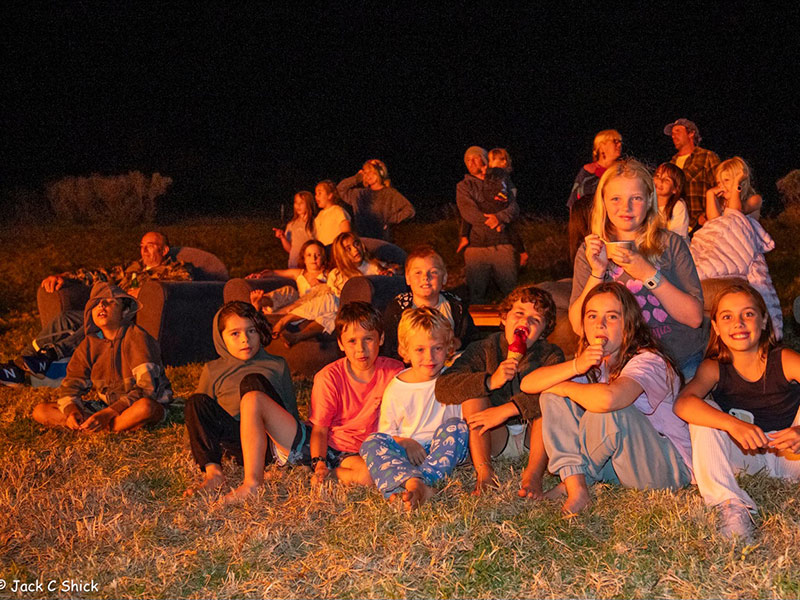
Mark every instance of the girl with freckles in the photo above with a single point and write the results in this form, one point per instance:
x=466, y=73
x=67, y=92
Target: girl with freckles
x=628, y=245
x=607, y=415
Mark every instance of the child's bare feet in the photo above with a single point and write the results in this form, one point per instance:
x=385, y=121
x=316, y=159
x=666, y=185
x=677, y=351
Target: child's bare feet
x=243, y=492
x=212, y=481
x=416, y=494
x=289, y=338
x=462, y=243
x=578, y=497
x=485, y=479
x=530, y=485
x=556, y=493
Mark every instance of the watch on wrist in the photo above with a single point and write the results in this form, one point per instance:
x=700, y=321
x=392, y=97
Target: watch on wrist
x=318, y=459
x=652, y=282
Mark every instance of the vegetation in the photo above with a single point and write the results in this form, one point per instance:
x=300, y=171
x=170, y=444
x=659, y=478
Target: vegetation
x=109, y=508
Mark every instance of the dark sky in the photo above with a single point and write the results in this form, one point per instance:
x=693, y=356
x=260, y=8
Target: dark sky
x=243, y=106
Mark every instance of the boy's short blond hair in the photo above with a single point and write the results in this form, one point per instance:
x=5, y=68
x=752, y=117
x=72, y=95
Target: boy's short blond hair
x=426, y=319
x=425, y=252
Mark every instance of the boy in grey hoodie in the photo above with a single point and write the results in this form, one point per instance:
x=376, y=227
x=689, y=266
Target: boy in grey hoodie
x=117, y=359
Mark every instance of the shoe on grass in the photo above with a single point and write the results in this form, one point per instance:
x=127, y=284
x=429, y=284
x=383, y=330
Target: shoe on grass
x=37, y=364
x=735, y=521
x=11, y=375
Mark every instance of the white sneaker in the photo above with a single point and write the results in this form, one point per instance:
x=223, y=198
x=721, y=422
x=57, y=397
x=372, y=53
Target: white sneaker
x=735, y=521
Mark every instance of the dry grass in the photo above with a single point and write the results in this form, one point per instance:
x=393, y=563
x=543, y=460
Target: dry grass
x=109, y=508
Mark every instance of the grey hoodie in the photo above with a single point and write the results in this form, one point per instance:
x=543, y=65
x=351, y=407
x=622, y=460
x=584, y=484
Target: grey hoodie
x=221, y=378
x=121, y=370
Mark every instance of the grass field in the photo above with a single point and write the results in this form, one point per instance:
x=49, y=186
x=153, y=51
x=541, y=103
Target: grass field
x=108, y=509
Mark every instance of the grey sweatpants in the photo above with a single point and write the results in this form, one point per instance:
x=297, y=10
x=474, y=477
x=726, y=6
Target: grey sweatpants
x=617, y=447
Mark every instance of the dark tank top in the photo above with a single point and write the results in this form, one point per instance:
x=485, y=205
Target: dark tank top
x=772, y=400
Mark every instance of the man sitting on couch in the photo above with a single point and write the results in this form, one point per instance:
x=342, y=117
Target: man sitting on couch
x=59, y=338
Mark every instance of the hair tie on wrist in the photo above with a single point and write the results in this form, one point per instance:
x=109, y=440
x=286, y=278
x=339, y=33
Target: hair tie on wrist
x=575, y=366
x=600, y=277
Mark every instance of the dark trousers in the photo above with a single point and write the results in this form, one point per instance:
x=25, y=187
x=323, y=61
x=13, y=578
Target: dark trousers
x=213, y=432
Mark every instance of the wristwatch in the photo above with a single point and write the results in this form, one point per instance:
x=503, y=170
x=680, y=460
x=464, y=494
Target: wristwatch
x=652, y=282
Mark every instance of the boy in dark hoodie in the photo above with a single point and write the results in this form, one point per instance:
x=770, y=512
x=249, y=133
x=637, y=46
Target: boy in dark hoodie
x=244, y=399
x=117, y=359
x=485, y=381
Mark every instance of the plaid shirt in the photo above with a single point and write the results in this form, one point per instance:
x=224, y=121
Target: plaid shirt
x=699, y=171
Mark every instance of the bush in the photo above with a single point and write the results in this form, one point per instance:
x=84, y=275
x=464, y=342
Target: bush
x=120, y=199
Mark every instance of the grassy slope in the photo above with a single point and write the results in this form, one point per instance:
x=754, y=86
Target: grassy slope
x=110, y=508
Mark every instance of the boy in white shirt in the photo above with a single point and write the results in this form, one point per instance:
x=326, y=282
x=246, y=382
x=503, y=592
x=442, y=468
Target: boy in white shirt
x=419, y=440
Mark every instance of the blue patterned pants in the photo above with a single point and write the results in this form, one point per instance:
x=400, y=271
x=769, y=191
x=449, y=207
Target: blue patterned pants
x=390, y=468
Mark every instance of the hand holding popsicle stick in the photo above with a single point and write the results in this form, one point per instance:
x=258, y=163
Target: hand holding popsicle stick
x=591, y=356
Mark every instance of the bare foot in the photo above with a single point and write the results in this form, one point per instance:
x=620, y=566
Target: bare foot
x=416, y=494
x=530, y=485
x=243, y=492
x=463, y=243
x=212, y=481
x=289, y=338
x=486, y=480
x=578, y=497
x=556, y=493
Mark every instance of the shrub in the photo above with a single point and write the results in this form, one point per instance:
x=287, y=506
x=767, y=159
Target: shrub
x=119, y=199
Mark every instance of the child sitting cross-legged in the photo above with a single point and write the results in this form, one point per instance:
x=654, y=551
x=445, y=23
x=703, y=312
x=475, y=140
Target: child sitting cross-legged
x=346, y=396
x=419, y=440
x=117, y=359
x=485, y=381
x=426, y=275
x=243, y=396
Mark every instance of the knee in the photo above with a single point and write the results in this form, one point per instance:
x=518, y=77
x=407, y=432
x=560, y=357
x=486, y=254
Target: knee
x=251, y=402
x=455, y=425
x=706, y=435
x=474, y=405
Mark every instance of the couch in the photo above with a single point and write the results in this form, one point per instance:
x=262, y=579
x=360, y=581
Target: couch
x=177, y=313
x=309, y=356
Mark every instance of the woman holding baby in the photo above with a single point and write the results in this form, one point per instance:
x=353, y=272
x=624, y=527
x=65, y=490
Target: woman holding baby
x=627, y=245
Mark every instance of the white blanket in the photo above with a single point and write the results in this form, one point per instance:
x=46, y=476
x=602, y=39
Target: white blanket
x=733, y=245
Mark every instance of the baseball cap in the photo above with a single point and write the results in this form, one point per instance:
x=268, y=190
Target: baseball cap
x=690, y=126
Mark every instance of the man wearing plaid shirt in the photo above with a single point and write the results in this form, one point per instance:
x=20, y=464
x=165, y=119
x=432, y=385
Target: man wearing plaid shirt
x=697, y=163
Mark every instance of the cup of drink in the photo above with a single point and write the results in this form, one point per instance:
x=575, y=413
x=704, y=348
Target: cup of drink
x=623, y=245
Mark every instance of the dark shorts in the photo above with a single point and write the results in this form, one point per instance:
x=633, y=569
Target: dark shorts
x=300, y=452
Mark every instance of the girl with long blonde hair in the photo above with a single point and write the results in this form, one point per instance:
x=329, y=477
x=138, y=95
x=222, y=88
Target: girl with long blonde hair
x=627, y=244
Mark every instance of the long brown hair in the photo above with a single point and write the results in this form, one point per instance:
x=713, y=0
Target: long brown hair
x=636, y=334
x=311, y=209
x=341, y=258
x=678, y=178
x=716, y=349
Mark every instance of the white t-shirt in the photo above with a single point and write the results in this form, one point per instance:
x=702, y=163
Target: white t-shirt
x=650, y=372
x=681, y=160
x=679, y=223
x=327, y=223
x=411, y=410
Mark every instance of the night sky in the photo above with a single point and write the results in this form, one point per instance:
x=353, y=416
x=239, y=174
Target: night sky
x=244, y=106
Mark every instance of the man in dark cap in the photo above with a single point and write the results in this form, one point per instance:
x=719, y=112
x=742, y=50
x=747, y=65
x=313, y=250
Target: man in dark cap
x=698, y=165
